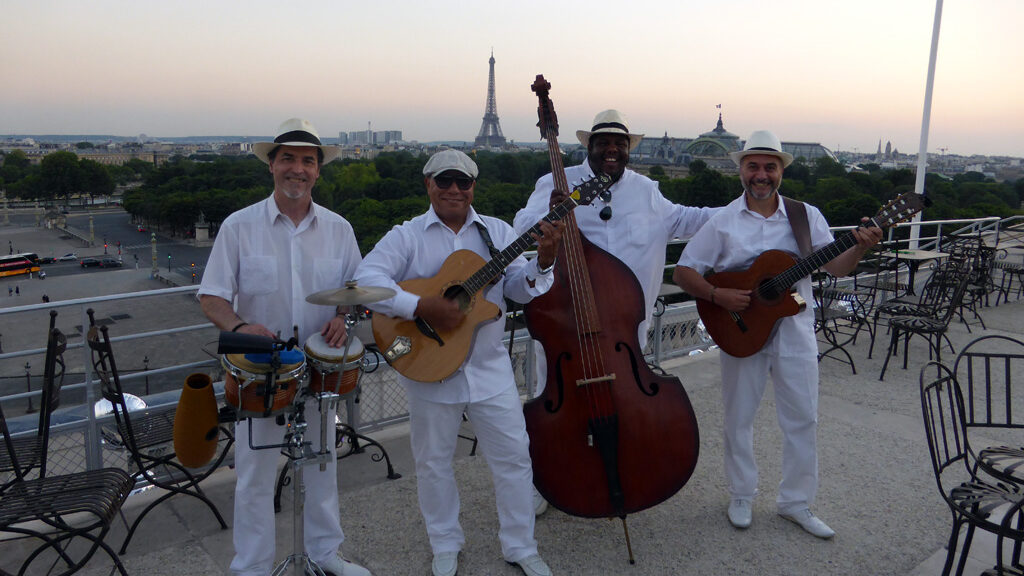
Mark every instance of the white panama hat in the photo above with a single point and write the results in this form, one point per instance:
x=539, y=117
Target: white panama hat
x=609, y=122
x=295, y=132
x=762, y=142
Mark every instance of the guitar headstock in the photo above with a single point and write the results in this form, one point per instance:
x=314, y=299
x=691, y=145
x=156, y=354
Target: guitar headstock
x=900, y=209
x=548, y=122
x=585, y=192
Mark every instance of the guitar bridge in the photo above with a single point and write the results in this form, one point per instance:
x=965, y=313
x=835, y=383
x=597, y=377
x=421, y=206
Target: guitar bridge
x=401, y=346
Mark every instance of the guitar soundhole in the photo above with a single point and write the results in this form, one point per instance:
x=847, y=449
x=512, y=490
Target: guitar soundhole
x=460, y=295
x=768, y=291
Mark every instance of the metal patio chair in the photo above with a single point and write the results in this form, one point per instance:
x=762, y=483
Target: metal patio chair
x=147, y=437
x=58, y=509
x=973, y=502
x=931, y=318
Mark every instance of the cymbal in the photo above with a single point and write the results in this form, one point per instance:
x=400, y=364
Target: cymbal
x=350, y=295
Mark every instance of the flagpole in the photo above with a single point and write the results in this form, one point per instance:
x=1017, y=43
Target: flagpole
x=922, y=152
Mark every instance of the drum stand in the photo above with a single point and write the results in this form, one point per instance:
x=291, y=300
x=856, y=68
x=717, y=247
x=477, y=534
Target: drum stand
x=342, y=433
x=300, y=453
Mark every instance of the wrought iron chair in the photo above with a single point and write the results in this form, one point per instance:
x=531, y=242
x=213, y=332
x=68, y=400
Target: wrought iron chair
x=1010, y=272
x=839, y=316
x=985, y=369
x=969, y=251
x=147, y=437
x=972, y=501
x=25, y=453
x=908, y=304
x=931, y=318
x=57, y=509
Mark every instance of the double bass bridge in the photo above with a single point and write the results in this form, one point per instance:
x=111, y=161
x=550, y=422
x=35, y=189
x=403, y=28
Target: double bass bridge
x=596, y=380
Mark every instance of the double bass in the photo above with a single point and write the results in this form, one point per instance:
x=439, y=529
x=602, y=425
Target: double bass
x=608, y=436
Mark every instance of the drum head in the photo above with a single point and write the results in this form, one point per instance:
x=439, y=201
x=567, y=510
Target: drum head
x=317, y=347
x=240, y=362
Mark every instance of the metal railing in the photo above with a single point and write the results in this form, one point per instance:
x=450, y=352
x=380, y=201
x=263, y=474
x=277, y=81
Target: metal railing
x=675, y=331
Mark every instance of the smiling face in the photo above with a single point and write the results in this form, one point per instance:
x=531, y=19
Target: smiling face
x=761, y=175
x=452, y=203
x=295, y=170
x=609, y=153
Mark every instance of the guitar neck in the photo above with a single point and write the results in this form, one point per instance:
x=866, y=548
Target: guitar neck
x=819, y=258
x=492, y=269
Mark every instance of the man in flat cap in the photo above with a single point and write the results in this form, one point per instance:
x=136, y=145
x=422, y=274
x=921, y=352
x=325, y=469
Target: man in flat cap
x=484, y=386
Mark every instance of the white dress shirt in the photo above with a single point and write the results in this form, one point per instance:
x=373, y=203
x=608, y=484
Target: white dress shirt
x=417, y=249
x=266, y=265
x=642, y=224
x=736, y=236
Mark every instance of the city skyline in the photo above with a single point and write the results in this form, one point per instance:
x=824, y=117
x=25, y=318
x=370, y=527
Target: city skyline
x=847, y=75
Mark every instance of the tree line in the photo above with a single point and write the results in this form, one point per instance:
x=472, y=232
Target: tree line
x=375, y=195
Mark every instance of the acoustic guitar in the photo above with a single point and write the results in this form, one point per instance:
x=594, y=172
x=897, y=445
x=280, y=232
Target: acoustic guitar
x=414, y=348
x=771, y=278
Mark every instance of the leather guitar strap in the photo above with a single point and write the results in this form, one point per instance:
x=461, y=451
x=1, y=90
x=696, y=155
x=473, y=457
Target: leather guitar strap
x=797, y=213
x=486, y=237
x=510, y=304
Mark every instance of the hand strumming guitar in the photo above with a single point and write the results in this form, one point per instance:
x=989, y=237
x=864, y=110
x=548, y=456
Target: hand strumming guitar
x=440, y=312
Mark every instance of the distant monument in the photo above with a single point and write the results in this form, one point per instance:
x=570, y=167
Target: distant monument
x=490, y=135
x=202, y=230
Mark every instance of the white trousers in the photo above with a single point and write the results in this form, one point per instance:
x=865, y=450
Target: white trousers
x=254, y=522
x=795, y=381
x=501, y=431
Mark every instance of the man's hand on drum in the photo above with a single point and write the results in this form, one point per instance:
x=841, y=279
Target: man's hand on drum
x=334, y=332
x=257, y=329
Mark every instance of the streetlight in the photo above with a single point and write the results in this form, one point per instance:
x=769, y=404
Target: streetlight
x=168, y=261
x=193, y=272
x=145, y=364
x=28, y=386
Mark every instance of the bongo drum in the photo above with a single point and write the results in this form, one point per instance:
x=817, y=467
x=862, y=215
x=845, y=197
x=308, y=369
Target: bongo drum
x=330, y=369
x=248, y=376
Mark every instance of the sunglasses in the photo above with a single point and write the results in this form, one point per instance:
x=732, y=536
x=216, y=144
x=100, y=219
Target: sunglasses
x=445, y=182
x=606, y=212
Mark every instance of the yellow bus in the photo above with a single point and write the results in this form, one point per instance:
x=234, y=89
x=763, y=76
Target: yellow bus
x=18, y=264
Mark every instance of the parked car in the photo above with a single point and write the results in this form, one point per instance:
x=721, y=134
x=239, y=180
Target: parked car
x=70, y=256
x=47, y=260
x=89, y=262
x=142, y=228
x=108, y=262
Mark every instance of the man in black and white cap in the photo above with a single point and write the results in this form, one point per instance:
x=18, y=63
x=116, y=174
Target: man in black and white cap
x=754, y=222
x=632, y=222
x=266, y=259
x=484, y=386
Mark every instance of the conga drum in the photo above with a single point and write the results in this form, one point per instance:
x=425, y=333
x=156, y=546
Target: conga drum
x=247, y=382
x=330, y=369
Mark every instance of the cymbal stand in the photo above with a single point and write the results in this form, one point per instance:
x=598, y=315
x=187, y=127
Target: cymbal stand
x=299, y=454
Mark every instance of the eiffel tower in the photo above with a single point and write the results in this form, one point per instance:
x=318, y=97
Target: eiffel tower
x=490, y=135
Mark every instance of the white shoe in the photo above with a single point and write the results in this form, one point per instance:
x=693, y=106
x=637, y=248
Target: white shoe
x=740, y=513
x=810, y=523
x=338, y=566
x=533, y=566
x=445, y=564
x=540, y=505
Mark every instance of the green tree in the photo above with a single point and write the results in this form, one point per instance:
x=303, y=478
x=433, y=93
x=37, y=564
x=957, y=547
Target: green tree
x=60, y=176
x=95, y=180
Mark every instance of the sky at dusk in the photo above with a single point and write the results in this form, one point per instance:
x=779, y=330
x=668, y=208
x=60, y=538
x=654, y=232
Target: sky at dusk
x=843, y=73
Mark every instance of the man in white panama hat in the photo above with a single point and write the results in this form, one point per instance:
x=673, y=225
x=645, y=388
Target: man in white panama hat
x=632, y=222
x=265, y=260
x=751, y=224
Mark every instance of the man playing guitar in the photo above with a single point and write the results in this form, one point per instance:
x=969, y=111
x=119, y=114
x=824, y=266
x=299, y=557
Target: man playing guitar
x=756, y=222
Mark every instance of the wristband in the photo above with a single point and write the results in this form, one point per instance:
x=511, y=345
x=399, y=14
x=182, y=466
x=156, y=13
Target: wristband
x=240, y=324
